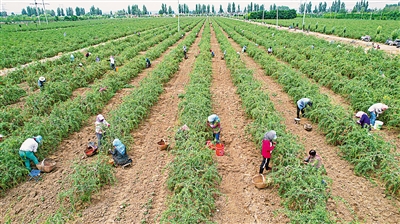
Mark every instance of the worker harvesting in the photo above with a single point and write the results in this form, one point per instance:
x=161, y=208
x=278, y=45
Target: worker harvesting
x=41, y=82
x=119, y=154
x=27, y=150
x=313, y=159
x=148, y=64
x=268, y=144
x=112, y=62
x=375, y=110
x=364, y=119
x=301, y=105
x=214, y=122
x=101, y=124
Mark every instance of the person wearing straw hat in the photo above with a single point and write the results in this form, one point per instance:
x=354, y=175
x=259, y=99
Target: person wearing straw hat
x=41, y=82
x=100, y=125
x=27, y=150
x=375, y=110
x=214, y=122
x=313, y=159
x=268, y=144
x=301, y=105
x=1, y=137
x=119, y=154
x=364, y=120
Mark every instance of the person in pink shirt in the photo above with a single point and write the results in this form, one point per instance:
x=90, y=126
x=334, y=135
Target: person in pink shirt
x=266, y=148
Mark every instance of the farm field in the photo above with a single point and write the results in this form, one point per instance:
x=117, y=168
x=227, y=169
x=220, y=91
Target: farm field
x=350, y=28
x=38, y=44
x=252, y=92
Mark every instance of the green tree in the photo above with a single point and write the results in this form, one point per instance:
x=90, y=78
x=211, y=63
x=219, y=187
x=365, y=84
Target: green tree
x=144, y=10
x=212, y=9
x=220, y=9
x=77, y=11
x=24, y=12
x=233, y=7
x=229, y=10
x=129, y=10
x=170, y=11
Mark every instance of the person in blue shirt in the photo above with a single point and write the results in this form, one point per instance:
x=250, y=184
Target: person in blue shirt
x=41, y=82
x=301, y=105
x=148, y=64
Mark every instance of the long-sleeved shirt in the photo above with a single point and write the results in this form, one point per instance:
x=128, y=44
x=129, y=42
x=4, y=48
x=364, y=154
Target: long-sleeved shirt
x=266, y=148
x=302, y=103
x=376, y=108
x=29, y=145
x=100, y=126
x=364, y=120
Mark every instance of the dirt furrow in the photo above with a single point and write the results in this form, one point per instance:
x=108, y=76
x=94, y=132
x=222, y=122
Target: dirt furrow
x=241, y=202
x=353, y=197
x=140, y=194
x=42, y=196
x=354, y=42
x=390, y=135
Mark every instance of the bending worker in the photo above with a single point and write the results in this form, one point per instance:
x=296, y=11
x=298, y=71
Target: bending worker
x=301, y=105
x=214, y=122
x=375, y=110
x=27, y=150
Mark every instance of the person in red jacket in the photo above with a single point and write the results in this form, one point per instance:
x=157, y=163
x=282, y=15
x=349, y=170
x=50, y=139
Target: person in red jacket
x=266, y=148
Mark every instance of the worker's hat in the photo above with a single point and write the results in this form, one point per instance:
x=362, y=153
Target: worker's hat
x=42, y=78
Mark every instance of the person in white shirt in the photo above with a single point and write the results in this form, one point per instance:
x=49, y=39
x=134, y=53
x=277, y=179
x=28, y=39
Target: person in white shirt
x=100, y=124
x=375, y=110
x=27, y=150
x=112, y=62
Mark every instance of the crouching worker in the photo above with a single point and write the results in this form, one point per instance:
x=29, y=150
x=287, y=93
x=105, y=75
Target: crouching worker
x=313, y=159
x=301, y=105
x=364, y=120
x=266, y=148
x=119, y=154
x=214, y=122
x=27, y=150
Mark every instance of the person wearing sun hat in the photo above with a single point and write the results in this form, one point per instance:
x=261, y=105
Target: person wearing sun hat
x=214, y=122
x=375, y=110
x=301, y=105
x=41, y=82
x=1, y=137
x=100, y=125
x=364, y=119
x=27, y=150
x=268, y=144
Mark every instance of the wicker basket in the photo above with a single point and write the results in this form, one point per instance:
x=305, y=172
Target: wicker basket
x=259, y=181
x=162, y=144
x=47, y=165
x=307, y=127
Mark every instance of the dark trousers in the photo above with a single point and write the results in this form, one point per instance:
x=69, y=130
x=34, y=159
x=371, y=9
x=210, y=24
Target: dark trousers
x=298, y=112
x=264, y=164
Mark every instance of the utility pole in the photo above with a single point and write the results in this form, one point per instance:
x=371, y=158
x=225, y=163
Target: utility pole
x=277, y=15
x=45, y=14
x=37, y=11
x=304, y=15
x=178, y=16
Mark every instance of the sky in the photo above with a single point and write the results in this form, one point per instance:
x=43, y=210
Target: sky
x=154, y=6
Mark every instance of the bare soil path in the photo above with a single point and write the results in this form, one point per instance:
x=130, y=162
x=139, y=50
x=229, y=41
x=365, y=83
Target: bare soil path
x=241, y=202
x=367, y=45
x=37, y=200
x=141, y=192
x=353, y=198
